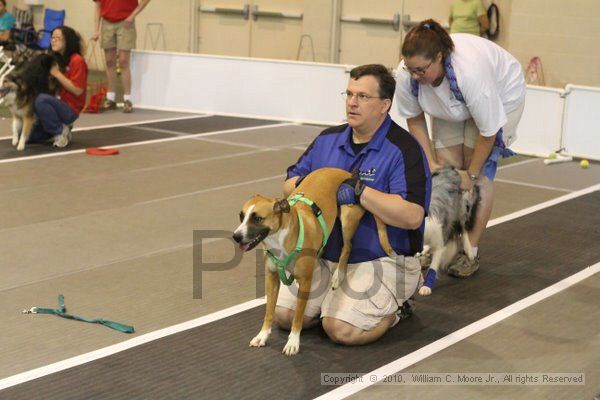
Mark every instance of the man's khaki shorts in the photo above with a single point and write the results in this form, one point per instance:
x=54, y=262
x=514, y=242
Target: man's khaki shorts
x=115, y=35
x=371, y=291
x=451, y=133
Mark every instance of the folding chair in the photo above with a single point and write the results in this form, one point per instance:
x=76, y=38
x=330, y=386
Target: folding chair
x=23, y=33
x=27, y=36
x=24, y=18
x=28, y=41
x=7, y=68
x=52, y=20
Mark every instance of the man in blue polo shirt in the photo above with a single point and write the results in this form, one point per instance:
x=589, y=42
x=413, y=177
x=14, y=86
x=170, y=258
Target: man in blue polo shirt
x=395, y=185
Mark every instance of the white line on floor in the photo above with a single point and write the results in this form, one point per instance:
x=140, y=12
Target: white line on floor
x=543, y=205
x=233, y=185
x=205, y=134
x=153, y=141
x=518, y=163
x=134, y=257
x=229, y=143
x=106, y=351
x=216, y=158
x=533, y=185
x=345, y=390
x=208, y=190
x=150, y=121
x=256, y=150
x=455, y=337
x=160, y=130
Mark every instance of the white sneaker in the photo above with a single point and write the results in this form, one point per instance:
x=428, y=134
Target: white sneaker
x=64, y=138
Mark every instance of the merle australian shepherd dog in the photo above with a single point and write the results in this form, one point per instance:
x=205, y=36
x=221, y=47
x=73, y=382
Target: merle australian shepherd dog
x=19, y=90
x=451, y=215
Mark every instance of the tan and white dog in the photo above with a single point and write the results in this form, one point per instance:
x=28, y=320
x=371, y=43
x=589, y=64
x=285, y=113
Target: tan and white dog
x=275, y=223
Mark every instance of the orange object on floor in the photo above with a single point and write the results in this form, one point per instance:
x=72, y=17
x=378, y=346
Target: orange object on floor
x=97, y=151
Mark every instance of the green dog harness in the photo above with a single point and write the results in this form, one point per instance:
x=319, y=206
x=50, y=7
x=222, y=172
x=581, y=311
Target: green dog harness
x=281, y=264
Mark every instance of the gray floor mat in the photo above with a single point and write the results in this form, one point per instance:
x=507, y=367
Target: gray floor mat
x=213, y=361
x=104, y=137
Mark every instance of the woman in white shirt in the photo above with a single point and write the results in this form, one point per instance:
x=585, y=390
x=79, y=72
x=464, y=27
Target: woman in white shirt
x=474, y=91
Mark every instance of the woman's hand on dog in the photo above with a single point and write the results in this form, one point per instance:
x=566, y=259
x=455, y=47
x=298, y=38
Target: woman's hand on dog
x=55, y=71
x=465, y=181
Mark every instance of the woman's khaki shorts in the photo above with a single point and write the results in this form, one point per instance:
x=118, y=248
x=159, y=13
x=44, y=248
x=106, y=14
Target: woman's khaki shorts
x=371, y=291
x=115, y=35
x=451, y=133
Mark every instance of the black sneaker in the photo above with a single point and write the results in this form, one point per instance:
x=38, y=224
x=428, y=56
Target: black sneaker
x=109, y=105
x=406, y=310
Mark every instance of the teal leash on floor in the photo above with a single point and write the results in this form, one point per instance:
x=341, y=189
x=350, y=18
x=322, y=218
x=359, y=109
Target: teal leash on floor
x=61, y=311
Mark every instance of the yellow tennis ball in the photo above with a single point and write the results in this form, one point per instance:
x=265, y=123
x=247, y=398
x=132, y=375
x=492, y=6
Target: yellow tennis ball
x=552, y=156
x=585, y=164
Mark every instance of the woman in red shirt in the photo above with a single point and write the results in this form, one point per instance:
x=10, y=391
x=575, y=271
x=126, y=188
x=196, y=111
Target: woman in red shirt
x=55, y=116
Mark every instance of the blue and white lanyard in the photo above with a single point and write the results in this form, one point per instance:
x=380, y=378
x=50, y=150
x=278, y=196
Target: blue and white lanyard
x=453, y=83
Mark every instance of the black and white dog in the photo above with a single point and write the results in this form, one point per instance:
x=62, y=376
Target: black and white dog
x=19, y=90
x=451, y=214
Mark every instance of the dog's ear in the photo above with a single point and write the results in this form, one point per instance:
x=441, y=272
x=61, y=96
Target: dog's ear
x=281, y=206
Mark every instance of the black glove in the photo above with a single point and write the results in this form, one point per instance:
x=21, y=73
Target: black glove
x=350, y=190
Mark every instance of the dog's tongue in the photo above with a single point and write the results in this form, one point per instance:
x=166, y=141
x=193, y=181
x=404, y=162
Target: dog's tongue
x=244, y=247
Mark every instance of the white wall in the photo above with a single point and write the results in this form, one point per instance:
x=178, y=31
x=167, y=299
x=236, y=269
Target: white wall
x=233, y=85
x=581, y=128
x=540, y=129
x=310, y=92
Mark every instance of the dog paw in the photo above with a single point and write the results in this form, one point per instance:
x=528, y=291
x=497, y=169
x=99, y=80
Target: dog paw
x=292, y=346
x=337, y=279
x=469, y=254
x=425, y=291
x=21, y=147
x=15, y=140
x=260, y=340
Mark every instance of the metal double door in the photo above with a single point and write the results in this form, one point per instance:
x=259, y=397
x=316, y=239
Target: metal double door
x=249, y=28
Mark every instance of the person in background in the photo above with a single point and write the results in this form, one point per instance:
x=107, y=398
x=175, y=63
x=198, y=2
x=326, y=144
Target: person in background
x=7, y=22
x=468, y=16
x=55, y=115
x=474, y=91
x=118, y=39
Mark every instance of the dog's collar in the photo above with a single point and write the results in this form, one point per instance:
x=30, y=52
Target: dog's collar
x=281, y=264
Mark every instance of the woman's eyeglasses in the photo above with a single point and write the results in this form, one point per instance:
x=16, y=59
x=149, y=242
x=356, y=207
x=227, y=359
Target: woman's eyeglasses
x=418, y=71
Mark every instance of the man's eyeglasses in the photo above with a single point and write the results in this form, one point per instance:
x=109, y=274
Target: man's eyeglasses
x=361, y=97
x=418, y=71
